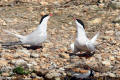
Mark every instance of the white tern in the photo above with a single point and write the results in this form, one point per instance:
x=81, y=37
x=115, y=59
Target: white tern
x=36, y=37
x=82, y=43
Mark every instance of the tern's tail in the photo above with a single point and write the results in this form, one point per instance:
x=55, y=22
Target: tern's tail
x=93, y=40
x=11, y=43
x=17, y=35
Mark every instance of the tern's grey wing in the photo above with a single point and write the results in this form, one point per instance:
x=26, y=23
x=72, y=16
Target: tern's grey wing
x=36, y=37
x=93, y=40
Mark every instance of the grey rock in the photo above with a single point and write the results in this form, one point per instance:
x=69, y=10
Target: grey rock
x=111, y=74
x=18, y=62
x=33, y=75
x=34, y=55
x=117, y=35
x=114, y=4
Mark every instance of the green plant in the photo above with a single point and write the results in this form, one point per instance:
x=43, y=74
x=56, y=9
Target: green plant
x=20, y=70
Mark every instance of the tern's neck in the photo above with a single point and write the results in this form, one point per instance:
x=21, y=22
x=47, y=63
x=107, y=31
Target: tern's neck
x=80, y=32
x=43, y=26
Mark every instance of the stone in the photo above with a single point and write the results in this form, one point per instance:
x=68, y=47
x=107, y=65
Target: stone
x=117, y=35
x=106, y=63
x=57, y=78
x=44, y=3
x=114, y=5
x=2, y=22
x=51, y=75
x=33, y=75
x=112, y=58
x=34, y=55
x=42, y=13
x=111, y=74
x=5, y=74
x=18, y=62
x=3, y=62
x=96, y=21
x=64, y=55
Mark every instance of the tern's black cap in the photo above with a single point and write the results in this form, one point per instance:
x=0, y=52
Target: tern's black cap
x=81, y=22
x=43, y=18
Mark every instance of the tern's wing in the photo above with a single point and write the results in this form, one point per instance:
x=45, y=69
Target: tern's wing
x=90, y=46
x=93, y=40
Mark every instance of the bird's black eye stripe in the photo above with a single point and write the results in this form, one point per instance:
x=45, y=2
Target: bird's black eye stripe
x=81, y=22
x=43, y=18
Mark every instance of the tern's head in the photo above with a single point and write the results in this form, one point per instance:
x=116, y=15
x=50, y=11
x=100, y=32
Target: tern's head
x=79, y=23
x=45, y=18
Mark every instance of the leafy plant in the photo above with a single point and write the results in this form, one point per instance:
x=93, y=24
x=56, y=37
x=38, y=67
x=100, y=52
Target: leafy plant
x=20, y=70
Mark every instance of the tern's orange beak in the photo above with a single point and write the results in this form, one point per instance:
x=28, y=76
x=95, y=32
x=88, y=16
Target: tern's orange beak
x=74, y=18
x=51, y=14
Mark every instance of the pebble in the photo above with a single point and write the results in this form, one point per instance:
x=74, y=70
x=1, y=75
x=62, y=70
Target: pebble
x=114, y=4
x=112, y=58
x=44, y=3
x=42, y=13
x=3, y=62
x=52, y=74
x=117, y=35
x=64, y=55
x=111, y=74
x=95, y=21
x=106, y=63
x=18, y=62
x=5, y=74
x=2, y=22
x=33, y=75
x=34, y=55
x=25, y=51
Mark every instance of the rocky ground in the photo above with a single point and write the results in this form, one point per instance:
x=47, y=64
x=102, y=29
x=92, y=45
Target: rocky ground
x=46, y=63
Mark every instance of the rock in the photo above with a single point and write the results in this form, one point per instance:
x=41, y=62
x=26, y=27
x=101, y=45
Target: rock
x=18, y=62
x=95, y=21
x=110, y=32
x=44, y=3
x=52, y=74
x=118, y=58
x=8, y=56
x=57, y=78
x=106, y=63
x=2, y=22
x=42, y=13
x=64, y=55
x=33, y=75
x=34, y=55
x=37, y=78
x=23, y=51
x=114, y=5
x=111, y=74
x=3, y=62
x=117, y=35
x=117, y=19
x=5, y=74
x=112, y=58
